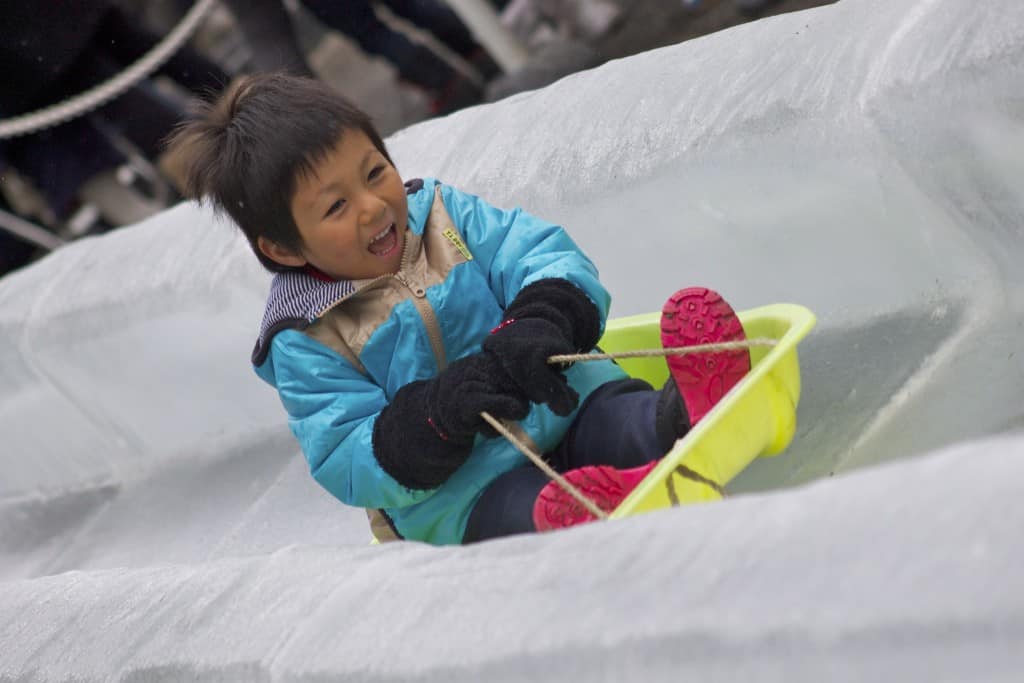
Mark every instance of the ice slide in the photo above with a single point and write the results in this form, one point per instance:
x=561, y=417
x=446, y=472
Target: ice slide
x=863, y=159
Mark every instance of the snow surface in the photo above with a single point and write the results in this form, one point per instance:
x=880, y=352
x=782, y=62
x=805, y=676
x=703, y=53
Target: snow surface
x=863, y=159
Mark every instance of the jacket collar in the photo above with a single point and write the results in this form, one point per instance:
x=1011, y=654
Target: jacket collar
x=297, y=298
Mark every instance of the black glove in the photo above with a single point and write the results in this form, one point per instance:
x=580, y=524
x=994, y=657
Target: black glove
x=469, y=386
x=548, y=317
x=427, y=430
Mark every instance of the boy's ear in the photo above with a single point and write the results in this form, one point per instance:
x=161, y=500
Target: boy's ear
x=279, y=253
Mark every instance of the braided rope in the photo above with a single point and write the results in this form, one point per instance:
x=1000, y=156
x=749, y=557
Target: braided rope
x=544, y=467
x=100, y=94
x=667, y=351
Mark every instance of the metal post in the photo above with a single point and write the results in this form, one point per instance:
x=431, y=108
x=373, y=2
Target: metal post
x=483, y=22
x=29, y=232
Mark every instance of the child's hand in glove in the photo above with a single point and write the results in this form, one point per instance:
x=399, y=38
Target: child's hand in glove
x=548, y=317
x=427, y=430
x=469, y=386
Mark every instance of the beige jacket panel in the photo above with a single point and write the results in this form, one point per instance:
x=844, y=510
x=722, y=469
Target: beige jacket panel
x=427, y=260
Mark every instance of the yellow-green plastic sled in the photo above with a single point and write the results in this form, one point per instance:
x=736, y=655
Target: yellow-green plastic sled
x=756, y=417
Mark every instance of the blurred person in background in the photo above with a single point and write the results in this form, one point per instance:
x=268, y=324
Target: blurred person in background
x=266, y=26
x=748, y=7
x=587, y=20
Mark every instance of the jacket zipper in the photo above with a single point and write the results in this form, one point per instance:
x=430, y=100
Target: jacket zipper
x=419, y=300
x=426, y=312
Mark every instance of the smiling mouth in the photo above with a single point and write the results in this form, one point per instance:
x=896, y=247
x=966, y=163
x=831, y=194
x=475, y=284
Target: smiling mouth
x=384, y=242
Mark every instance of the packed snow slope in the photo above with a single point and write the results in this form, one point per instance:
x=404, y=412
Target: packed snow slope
x=863, y=159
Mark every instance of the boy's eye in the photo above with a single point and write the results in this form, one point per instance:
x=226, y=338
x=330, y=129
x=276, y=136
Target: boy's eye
x=335, y=207
x=377, y=170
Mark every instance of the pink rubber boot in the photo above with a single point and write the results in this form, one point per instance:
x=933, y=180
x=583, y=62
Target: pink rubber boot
x=697, y=315
x=603, y=484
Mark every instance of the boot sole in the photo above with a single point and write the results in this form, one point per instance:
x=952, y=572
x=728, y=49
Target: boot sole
x=607, y=486
x=698, y=315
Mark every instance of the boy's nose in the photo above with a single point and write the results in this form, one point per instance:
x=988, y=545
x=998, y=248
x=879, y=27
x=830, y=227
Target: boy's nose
x=371, y=208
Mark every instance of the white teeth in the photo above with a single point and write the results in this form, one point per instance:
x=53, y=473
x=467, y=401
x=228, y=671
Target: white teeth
x=383, y=234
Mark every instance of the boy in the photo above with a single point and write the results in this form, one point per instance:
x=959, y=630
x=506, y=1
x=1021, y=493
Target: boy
x=400, y=311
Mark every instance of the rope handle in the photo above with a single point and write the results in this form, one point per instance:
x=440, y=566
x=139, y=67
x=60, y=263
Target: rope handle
x=544, y=467
x=564, y=483
x=666, y=351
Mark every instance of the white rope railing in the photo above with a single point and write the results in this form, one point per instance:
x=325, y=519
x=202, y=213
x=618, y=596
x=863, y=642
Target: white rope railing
x=104, y=92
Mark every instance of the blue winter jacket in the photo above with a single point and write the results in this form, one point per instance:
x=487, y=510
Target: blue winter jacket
x=337, y=352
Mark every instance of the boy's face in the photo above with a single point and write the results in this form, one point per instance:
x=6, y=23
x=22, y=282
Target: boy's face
x=351, y=212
